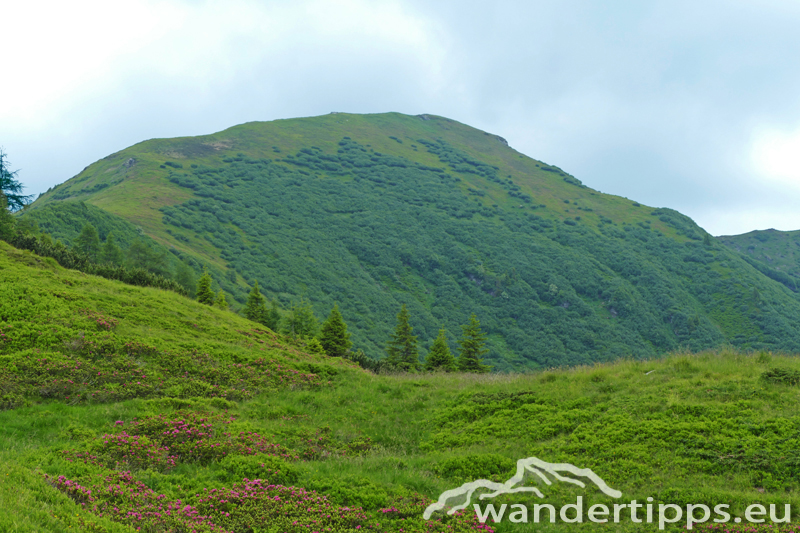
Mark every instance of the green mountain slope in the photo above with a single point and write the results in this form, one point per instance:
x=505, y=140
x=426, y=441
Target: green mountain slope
x=372, y=211
x=134, y=409
x=775, y=253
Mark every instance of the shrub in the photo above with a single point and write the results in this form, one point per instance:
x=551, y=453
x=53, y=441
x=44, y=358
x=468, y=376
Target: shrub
x=778, y=376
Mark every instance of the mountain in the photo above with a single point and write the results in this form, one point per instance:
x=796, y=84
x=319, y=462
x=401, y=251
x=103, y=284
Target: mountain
x=375, y=211
x=775, y=253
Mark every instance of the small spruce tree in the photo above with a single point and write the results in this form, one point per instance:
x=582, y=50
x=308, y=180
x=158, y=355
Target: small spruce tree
x=314, y=346
x=220, y=301
x=88, y=242
x=255, y=309
x=402, y=348
x=334, y=337
x=440, y=357
x=204, y=293
x=472, y=347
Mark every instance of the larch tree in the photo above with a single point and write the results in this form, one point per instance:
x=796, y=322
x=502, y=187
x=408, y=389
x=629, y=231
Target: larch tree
x=110, y=252
x=301, y=322
x=221, y=302
x=88, y=242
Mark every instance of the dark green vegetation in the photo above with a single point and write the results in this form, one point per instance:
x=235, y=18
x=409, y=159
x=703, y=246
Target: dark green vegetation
x=155, y=403
x=10, y=187
x=774, y=253
x=376, y=211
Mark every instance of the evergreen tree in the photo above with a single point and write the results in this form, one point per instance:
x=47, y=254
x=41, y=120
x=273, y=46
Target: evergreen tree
x=255, y=309
x=88, y=242
x=10, y=188
x=7, y=223
x=46, y=239
x=220, y=301
x=140, y=255
x=110, y=252
x=204, y=293
x=472, y=347
x=184, y=275
x=314, y=346
x=301, y=322
x=440, y=357
x=273, y=317
x=402, y=348
x=334, y=337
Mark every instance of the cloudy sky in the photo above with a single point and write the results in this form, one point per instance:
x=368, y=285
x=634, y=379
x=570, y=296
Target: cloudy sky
x=684, y=104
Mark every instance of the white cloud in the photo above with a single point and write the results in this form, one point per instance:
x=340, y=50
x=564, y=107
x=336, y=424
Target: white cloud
x=775, y=156
x=652, y=101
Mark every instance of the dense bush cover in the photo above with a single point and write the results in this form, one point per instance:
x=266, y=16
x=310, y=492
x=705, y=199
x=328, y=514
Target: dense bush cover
x=77, y=261
x=109, y=487
x=554, y=294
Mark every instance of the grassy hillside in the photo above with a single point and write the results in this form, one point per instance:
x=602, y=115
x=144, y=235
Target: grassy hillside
x=133, y=409
x=775, y=253
x=375, y=211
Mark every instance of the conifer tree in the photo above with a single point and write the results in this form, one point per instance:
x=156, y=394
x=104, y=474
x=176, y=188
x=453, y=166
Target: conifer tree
x=440, y=357
x=88, y=242
x=7, y=222
x=273, y=316
x=10, y=188
x=141, y=255
x=220, y=301
x=204, y=293
x=185, y=278
x=255, y=309
x=110, y=252
x=472, y=347
x=314, y=346
x=301, y=322
x=402, y=348
x=334, y=337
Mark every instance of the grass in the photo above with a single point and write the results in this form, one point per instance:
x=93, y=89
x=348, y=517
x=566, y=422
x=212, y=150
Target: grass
x=685, y=429
x=715, y=427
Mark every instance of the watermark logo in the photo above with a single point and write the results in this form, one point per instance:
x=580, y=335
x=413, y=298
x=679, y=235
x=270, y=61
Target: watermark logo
x=525, y=468
x=457, y=499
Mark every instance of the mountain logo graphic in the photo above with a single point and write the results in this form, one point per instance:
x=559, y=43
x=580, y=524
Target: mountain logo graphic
x=528, y=467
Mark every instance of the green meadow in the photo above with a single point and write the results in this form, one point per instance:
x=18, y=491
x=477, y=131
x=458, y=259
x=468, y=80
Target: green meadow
x=136, y=409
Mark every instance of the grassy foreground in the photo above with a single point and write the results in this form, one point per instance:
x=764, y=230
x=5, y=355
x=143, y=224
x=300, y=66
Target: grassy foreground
x=176, y=418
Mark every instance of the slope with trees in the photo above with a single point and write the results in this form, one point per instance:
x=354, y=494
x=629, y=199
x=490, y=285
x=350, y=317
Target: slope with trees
x=378, y=211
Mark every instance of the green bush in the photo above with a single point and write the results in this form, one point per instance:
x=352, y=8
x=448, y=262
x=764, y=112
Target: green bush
x=781, y=376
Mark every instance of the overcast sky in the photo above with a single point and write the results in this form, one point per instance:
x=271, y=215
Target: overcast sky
x=683, y=104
